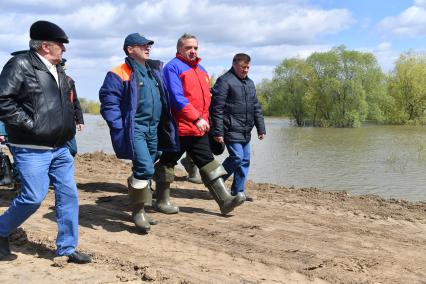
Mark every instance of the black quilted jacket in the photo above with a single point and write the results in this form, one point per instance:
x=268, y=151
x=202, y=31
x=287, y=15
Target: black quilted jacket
x=235, y=109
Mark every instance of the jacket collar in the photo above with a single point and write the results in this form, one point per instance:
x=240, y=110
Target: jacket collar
x=153, y=64
x=235, y=74
x=38, y=63
x=192, y=63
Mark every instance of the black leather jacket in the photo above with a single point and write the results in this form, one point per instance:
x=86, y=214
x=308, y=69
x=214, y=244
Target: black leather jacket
x=34, y=109
x=235, y=109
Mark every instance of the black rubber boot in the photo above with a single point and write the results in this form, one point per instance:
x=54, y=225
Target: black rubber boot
x=162, y=203
x=192, y=170
x=140, y=195
x=212, y=177
x=4, y=248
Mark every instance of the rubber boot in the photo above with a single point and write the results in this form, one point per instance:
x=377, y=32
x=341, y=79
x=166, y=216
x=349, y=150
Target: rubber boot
x=153, y=193
x=163, y=177
x=151, y=220
x=212, y=177
x=162, y=203
x=4, y=248
x=192, y=170
x=139, y=194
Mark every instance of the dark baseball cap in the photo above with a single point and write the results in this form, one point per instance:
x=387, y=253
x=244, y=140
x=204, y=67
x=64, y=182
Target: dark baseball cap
x=136, y=39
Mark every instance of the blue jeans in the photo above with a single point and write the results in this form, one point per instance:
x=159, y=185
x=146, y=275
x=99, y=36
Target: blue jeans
x=72, y=146
x=35, y=168
x=237, y=164
x=145, y=144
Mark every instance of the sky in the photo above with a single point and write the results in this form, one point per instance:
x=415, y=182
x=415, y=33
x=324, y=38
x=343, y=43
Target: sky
x=268, y=30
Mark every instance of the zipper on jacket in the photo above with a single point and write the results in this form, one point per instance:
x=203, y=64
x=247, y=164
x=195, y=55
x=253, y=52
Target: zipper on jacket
x=202, y=90
x=62, y=104
x=245, y=105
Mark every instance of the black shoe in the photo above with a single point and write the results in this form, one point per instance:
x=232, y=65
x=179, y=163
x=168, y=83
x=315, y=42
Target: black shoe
x=4, y=248
x=79, y=257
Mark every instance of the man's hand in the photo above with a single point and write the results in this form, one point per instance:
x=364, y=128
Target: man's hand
x=202, y=125
x=219, y=139
x=79, y=127
x=2, y=138
x=261, y=136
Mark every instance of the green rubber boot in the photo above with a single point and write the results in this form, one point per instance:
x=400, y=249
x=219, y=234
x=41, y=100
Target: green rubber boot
x=163, y=177
x=139, y=194
x=212, y=177
x=192, y=170
x=162, y=203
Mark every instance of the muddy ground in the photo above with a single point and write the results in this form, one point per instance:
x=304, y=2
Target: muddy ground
x=286, y=235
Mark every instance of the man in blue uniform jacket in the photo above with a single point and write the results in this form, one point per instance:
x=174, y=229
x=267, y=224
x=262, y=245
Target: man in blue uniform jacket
x=136, y=106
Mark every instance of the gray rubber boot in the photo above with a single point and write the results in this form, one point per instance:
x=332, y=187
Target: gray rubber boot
x=212, y=177
x=163, y=177
x=192, y=170
x=139, y=194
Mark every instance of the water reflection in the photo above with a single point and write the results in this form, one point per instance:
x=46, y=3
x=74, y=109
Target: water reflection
x=385, y=160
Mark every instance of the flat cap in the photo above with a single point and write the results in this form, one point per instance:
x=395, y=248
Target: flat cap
x=44, y=30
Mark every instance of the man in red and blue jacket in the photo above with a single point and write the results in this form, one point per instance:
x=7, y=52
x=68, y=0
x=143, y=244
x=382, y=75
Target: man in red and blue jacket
x=136, y=106
x=189, y=87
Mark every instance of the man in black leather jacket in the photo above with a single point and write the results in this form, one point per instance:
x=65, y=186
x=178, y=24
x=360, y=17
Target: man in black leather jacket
x=36, y=108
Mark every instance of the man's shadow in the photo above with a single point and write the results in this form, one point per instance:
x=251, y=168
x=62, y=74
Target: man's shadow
x=113, y=212
x=19, y=242
x=189, y=193
x=102, y=187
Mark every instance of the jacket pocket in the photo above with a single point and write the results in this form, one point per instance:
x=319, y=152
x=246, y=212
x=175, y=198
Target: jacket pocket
x=227, y=123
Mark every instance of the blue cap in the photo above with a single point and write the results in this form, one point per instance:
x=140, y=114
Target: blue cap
x=136, y=38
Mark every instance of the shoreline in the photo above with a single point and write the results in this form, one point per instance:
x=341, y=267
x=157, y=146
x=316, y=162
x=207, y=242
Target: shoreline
x=287, y=235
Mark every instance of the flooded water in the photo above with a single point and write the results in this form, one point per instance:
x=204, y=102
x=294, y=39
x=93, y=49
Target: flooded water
x=386, y=160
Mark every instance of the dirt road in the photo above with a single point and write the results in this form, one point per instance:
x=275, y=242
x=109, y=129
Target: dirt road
x=285, y=236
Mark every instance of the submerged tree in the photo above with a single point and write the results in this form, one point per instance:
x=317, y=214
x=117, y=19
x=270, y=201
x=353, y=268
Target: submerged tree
x=343, y=88
x=407, y=87
x=346, y=81
x=292, y=78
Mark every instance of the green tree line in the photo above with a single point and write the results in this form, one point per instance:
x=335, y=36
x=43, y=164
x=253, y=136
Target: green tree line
x=89, y=106
x=343, y=88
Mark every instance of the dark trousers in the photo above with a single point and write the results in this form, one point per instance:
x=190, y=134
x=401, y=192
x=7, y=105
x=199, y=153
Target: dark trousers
x=197, y=147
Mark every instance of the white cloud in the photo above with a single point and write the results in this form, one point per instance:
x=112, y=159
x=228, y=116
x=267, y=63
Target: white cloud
x=276, y=54
x=386, y=55
x=420, y=3
x=271, y=23
x=409, y=23
x=43, y=4
x=268, y=30
x=101, y=17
